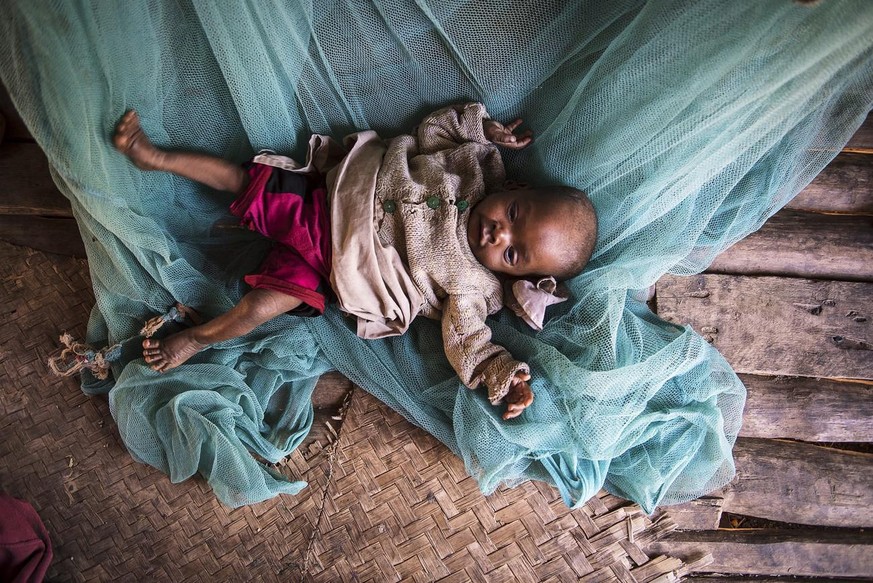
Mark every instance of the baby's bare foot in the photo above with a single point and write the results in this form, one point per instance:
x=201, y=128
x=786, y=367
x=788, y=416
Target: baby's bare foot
x=162, y=355
x=130, y=140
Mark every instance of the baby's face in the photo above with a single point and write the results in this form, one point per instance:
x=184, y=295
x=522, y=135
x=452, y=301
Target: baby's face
x=515, y=233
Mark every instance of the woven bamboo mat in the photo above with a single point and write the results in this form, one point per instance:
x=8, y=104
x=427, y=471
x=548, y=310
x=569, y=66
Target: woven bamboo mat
x=385, y=502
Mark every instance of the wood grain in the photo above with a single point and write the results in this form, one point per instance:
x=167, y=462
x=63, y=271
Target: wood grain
x=863, y=137
x=844, y=186
x=801, y=553
x=27, y=186
x=801, y=483
x=701, y=514
x=807, y=409
x=801, y=244
x=50, y=234
x=778, y=326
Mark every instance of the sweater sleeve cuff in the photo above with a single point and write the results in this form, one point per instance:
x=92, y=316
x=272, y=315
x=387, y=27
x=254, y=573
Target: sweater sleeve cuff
x=472, y=117
x=498, y=374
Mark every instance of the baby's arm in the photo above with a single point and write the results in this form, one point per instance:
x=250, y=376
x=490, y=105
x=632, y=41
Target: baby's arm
x=452, y=126
x=468, y=346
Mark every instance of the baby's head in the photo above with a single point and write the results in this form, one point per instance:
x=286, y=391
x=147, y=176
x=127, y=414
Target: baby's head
x=534, y=232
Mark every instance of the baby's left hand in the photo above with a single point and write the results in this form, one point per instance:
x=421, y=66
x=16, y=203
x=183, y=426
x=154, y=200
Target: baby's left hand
x=504, y=135
x=519, y=397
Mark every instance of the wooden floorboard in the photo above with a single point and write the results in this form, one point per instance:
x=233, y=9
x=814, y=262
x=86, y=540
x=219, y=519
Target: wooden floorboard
x=788, y=305
x=28, y=188
x=803, y=553
x=810, y=409
x=844, y=186
x=863, y=138
x=803, y=244
x=788, y=482
x=801, y=483
x=703, y=513
x=58, y=235
x=775, y=325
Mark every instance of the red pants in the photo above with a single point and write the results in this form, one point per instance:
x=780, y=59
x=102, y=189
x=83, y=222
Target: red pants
x=291, y=210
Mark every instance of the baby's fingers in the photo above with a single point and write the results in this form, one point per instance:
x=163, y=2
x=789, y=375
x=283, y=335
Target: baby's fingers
x=519, y=398
x=525, y=398
x=513, y=124
x=513, y=410
x=523, y=376
x=518, y=142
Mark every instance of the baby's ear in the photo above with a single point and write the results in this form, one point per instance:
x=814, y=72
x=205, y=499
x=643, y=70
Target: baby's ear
x=513, y=185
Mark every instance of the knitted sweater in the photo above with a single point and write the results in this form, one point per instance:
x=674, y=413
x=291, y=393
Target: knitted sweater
x=399, y=211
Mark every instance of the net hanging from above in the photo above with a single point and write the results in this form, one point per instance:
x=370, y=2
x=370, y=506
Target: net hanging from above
x=688, y=122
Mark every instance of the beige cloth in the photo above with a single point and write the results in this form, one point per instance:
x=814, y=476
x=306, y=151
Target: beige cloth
x=396, y=256
x=368, y=277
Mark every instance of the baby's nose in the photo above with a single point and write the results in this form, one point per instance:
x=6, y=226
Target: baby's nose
x=499, y=233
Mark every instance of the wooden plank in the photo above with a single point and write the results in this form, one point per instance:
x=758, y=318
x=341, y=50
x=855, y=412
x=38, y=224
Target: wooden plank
x=740, y=579
x=800, y=244
x=777, y=326
x=15, y=128
x=50, y=234
x=844, y=186
x=807, y=409
x=863, y=138
x=802, y=553
x=801, y=483
x=701, y=514
x=27, y=185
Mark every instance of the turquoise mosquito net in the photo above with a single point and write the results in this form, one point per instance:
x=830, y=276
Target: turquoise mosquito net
x=688, y=122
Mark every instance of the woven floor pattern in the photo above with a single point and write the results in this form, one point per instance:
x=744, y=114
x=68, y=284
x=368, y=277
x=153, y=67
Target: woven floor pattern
x=385, y=501
x=401, y=507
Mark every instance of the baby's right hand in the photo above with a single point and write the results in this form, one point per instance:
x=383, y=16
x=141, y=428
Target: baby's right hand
x=505, y=136
x=519, y=397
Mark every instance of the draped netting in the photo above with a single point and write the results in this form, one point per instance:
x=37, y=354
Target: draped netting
x=688, y=122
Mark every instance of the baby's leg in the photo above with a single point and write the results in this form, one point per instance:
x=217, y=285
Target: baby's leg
x=255, y=308
x=130, y=140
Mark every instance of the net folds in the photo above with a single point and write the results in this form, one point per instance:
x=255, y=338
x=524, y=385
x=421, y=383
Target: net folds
x=689, y=123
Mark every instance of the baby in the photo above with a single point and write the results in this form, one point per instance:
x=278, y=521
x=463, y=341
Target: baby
x=419, y=224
